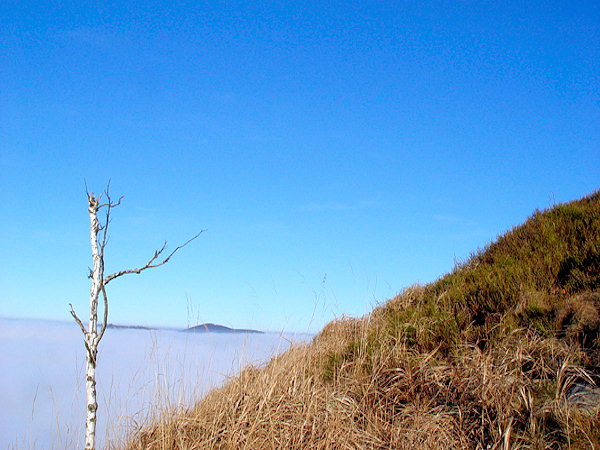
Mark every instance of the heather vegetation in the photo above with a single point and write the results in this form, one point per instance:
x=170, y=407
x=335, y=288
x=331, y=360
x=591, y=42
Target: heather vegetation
x=502, y=352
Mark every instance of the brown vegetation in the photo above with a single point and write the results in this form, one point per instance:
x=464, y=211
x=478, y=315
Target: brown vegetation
x=491, y=355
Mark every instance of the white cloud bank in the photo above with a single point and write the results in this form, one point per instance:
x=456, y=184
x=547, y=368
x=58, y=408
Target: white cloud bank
x=42, y=389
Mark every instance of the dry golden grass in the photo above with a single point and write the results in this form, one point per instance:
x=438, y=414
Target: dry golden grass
x=486, y=357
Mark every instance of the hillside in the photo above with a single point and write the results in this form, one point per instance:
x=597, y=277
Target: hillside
x=500, y=353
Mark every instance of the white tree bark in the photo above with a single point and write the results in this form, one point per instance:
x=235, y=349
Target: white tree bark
x=91, y=336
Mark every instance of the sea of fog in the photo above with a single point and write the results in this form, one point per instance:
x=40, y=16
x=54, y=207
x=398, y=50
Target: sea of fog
x=139, y=373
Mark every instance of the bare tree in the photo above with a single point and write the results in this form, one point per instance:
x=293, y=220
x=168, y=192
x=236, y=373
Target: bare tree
x=91, y=336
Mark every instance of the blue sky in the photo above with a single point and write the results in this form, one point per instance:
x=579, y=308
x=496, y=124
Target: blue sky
x=335, y=152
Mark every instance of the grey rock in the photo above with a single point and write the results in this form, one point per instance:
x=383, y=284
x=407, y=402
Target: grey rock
x=584, y=395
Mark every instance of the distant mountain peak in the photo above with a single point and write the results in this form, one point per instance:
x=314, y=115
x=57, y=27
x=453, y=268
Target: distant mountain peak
x=214, y=328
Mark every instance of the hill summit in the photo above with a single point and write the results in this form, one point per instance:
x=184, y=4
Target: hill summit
x=214, y=328
x=502, y=352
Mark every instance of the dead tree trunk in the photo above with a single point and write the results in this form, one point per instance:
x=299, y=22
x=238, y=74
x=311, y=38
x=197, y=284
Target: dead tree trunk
x=91, y=336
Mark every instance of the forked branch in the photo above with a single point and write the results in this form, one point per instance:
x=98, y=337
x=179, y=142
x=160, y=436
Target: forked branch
x=149, y=264
x=86, y=335
x=74, y=314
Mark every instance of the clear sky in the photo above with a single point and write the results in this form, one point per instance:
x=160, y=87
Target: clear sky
x=336, y=152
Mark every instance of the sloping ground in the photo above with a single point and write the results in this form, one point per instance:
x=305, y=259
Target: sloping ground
x=501, y=353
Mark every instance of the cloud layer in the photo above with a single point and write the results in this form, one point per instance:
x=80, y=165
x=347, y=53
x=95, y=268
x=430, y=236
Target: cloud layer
x=139, y=373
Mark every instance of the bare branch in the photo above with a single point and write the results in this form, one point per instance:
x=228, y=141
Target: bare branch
x=74, y=314
x=103, y=329
x=85, y=334
x=104, y=227
x=149, y=264
x=110, y=203
x=106, y=191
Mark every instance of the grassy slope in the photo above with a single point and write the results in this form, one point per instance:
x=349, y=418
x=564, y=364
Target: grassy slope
x=485, y=356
